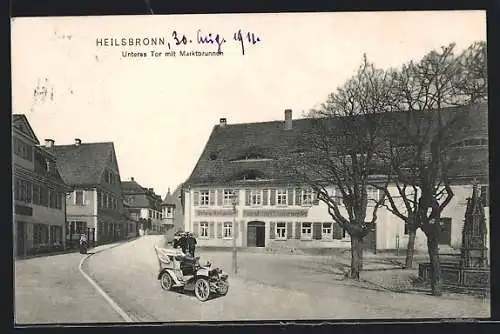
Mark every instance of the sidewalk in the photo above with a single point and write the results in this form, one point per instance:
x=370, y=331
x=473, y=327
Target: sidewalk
x=52, y=290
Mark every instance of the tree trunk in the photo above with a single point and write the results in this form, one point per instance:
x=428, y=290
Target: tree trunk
x=410, y=249
x=356, y=256
x=433, y=248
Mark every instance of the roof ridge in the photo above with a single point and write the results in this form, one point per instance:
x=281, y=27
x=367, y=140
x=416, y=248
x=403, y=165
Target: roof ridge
x=393, y=112
x=86, y=143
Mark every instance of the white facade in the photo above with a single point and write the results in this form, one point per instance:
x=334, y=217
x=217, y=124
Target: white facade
x=210, y=219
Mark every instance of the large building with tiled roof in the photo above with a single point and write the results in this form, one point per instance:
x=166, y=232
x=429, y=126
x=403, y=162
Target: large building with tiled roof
x=39, y=192
x=274, y=210
x=95, y=205
x=146, y=204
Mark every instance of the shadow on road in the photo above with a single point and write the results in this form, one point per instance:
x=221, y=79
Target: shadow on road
x=181, y=291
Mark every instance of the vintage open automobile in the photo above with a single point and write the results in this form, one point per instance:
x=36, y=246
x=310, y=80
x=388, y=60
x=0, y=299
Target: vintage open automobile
x=176, y=271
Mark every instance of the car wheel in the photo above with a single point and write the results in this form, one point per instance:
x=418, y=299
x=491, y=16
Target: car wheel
x=224, y=288
x=202, y=289
x=166, y=281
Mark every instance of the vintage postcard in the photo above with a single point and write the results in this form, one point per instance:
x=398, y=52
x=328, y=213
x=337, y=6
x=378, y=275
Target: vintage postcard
x=235, y=167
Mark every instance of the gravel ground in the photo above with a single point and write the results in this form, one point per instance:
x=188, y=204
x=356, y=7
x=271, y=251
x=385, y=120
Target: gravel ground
x=51, y=290
x=267, y=287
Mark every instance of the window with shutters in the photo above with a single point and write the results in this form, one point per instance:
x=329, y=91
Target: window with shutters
x=44, y=196
x=60, y=197
x=227, y=230
x=24, y=190
x=79, y=197
x=52, y=199
x=204, y=197
x=327, y=231
x=255, y=197
x=281, y=197
x=203, y=230
x=307, y=197
x=23, y=149
x=227, y=198
x=281, y=231
x=306, y=231
x=37, y=189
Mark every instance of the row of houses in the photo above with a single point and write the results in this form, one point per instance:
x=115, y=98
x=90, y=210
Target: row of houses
x=275, y=212
x=61, y=191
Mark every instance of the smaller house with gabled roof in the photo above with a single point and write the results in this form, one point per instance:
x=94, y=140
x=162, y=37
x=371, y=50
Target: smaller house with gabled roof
x=145, y=203
x=39, y=192
x=95, y=204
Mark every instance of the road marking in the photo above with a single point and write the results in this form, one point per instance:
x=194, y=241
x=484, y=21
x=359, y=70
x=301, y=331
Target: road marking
x=113, y=304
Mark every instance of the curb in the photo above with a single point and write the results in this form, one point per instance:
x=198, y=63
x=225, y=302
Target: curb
x=112, y=303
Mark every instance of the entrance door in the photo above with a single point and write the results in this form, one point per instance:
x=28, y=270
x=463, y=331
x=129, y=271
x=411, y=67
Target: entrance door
x=444, y=237
x=21, y=238
x=261, y=236
x=256, y=234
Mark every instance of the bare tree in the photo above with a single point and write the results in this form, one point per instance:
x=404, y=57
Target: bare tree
x=341, y=150
x=421, y=134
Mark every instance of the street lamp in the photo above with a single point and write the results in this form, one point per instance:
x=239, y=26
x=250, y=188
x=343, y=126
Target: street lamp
x=234, y=201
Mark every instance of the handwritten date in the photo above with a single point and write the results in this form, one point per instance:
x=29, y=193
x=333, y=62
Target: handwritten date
x=216, y=39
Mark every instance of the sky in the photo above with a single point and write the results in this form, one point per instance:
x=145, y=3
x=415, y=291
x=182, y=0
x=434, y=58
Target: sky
x=160, y=111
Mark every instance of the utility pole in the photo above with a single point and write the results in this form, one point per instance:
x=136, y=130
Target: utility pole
x=234, y=201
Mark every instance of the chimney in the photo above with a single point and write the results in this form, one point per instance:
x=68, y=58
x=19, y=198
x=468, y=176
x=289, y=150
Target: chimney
x=288, y=119
x=49, y=143
x=222, y=122
x=78, y=141
x=132, y=178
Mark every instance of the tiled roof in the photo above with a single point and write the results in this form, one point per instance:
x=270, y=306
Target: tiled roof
x=132, y=187
x=169, y=199
x=142, y=197
x=82, y=164
x=20, y=122
x=269, y=144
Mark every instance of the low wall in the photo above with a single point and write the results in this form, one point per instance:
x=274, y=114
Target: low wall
x=453, y=275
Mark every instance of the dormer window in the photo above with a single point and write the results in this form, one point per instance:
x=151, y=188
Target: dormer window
x=251, y=175
x=251, y=154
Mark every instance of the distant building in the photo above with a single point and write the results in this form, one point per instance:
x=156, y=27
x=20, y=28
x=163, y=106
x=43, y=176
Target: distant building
x=276, y=210
x=39, y=192
x=133, y=220
x=95, y=205
x=179, y=208
x=168, y=209
x=146, y=204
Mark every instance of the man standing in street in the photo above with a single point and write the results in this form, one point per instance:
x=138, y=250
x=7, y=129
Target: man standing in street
x=183, y=243
x=191, y=242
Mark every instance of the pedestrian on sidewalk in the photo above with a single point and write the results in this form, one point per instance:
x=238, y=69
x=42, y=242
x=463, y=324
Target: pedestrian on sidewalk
x=83, y=243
